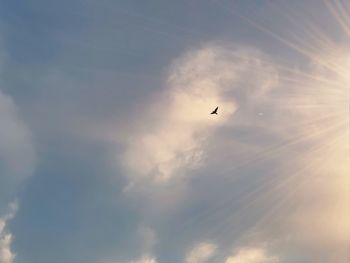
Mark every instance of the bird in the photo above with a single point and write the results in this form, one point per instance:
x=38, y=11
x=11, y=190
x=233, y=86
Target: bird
x=215, y=111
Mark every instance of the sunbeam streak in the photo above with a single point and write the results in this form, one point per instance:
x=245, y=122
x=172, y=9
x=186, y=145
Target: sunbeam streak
x=311, y=189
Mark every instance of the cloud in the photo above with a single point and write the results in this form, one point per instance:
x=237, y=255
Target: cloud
x=6, y=254
x=172, y=139
x=251, y=255
x=145, y=259
x=201, y=253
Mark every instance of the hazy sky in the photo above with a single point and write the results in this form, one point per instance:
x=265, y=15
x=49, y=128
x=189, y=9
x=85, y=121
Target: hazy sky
x=108, y=153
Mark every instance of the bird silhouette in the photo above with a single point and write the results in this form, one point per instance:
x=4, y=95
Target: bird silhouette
x=215, y=111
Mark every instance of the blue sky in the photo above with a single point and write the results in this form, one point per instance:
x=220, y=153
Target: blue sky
x=108, y=153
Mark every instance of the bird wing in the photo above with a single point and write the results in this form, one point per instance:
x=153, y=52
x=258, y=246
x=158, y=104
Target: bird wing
x=215, y=111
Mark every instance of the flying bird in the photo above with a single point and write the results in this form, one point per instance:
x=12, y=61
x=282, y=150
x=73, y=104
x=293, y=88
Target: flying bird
x=215, y=111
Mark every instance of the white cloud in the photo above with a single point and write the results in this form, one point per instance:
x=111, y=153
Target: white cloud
x=6, y=254
x=173, y=138
x=251, y=255
x=145, y=259
x=201, y=253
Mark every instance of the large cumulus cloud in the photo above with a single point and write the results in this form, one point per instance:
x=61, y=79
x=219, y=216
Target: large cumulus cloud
x=171, y=138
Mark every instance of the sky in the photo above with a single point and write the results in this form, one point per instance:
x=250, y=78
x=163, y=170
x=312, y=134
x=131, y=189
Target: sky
x=109, y=154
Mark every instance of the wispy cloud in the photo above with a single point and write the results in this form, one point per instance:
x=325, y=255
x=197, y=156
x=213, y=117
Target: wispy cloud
x=201, y=252
x=251, y=255
x=17, y=151
x=145, y=259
